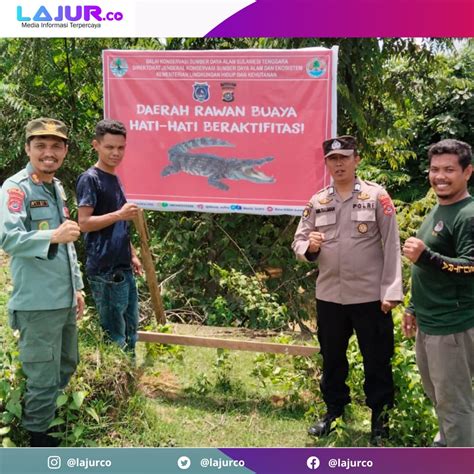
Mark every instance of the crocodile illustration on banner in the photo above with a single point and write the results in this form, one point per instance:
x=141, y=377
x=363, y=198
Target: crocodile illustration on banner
x=214, y=167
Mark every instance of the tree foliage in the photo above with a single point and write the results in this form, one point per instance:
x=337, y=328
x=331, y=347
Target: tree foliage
x=395, y=95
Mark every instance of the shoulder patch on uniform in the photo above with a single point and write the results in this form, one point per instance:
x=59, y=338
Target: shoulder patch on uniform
x=15, y=199
x=307, y=210
x=387, y=204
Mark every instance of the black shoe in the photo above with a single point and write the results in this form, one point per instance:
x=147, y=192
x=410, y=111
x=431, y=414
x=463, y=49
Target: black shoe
x=379, y=430
x=323, y=426
x=41, y=439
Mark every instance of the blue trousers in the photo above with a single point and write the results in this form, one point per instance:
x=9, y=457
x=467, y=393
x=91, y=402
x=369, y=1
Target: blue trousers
x=116, y=298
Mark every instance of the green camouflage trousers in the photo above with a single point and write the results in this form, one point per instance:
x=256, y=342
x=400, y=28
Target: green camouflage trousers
x=49, y=355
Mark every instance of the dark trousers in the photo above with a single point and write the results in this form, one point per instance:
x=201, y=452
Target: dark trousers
x=374, y=330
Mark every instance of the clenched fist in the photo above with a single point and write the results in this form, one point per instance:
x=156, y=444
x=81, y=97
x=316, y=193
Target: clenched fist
x=315, y=241
x=67, y=232
x=413, y=248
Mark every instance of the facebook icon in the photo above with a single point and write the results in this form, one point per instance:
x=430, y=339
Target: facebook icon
x=312, y=463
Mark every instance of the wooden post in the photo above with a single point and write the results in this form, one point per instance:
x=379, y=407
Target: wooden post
x=149, y=266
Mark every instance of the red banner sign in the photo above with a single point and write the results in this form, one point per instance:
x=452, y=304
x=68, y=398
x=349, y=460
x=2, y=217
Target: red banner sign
x=223, y=131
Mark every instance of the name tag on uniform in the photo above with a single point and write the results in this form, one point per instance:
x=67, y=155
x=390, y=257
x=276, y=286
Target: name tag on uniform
x=39, y=203
x=325, y=209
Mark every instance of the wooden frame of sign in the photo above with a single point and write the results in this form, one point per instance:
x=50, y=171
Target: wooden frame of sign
x=186, y=340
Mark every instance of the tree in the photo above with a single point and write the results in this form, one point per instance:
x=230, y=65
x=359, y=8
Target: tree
x=395, y=95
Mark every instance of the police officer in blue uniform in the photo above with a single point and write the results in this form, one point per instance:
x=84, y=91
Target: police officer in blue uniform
x=35, y=230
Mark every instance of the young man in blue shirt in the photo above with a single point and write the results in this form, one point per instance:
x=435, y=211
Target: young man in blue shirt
x=104, y=216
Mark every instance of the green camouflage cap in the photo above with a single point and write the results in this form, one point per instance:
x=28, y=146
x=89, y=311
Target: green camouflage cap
x=46, y=126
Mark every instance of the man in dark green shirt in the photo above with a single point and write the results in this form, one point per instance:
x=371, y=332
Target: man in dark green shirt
x=442, y=306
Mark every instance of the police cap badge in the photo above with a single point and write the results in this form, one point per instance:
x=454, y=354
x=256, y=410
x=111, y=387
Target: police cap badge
x=343, y=145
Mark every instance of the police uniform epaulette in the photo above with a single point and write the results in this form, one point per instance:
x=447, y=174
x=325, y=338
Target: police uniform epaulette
x=18, y=177
x=371, y=183
x=324, y=189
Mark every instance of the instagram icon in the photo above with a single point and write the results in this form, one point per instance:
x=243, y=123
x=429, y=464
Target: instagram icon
x=54, y=462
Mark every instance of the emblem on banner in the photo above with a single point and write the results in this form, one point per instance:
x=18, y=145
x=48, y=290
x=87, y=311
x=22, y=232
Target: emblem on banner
x=316, y=67
x=228, y=91
x=201, y=91
x=119, y=67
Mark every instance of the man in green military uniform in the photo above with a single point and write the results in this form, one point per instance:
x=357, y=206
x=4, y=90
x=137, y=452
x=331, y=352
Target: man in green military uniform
x=36, y=232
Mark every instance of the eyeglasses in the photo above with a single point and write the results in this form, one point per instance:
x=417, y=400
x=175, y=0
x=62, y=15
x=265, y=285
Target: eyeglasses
x=333, y=159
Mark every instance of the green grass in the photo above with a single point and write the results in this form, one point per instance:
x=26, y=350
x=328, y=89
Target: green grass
x=199, y=397
x=192, y=413
x=192, y=409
